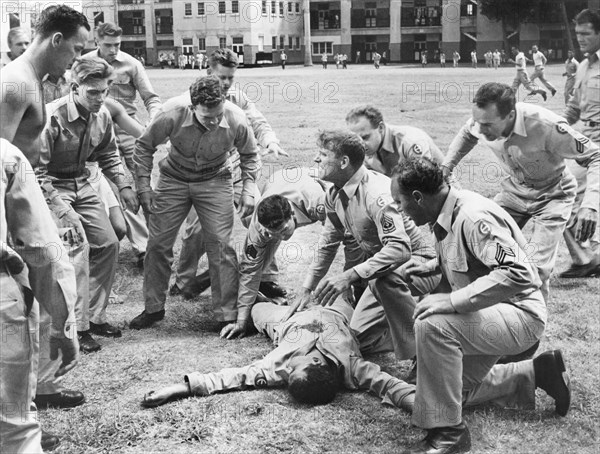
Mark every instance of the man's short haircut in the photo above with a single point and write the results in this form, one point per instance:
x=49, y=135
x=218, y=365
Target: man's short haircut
x=501, y=95
x=16, y=31
x=273, y=211
x=89, y=69
x=317, y=386
x=223, y=57
x=206, y=91
x=343, y=143
x=419, y=174
x=371, y=113
x=60, y=19
x=588, y=16
x=108, y=29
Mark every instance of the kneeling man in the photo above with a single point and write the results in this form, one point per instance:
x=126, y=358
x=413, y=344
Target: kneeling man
x=495, y=308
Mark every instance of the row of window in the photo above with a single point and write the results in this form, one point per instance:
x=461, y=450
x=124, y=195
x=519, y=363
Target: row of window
x=293, y=42
x=278, y=42
x=201, y=8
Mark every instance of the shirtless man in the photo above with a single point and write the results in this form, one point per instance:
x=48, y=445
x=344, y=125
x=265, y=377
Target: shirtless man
x=61, y=34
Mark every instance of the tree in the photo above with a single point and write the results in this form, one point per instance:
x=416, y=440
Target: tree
x=511, y=14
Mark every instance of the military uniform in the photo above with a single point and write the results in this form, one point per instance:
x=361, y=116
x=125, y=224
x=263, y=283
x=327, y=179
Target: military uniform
x=25, y=216
x=399, y=143
x=325, y=329
x=192, y=248
x=539, y=185
x=195, y=173
x=585, y=106
x=499, y=310
x=307, y=200
x=365, y=209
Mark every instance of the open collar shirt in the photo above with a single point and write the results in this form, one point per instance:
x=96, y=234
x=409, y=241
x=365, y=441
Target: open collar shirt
x=534, y=153
x=584, y=105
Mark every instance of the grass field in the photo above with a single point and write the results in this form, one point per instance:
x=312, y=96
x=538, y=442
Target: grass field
x=299, y=102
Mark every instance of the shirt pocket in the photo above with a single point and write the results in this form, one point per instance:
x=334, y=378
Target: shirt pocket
x=593, y=90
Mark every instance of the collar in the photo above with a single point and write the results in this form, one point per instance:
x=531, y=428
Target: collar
x=191, y=120
x=72, y=111
x=593, y=58
x=444, y=219
x=519, y=126
x=352, y=184
x=387, y=144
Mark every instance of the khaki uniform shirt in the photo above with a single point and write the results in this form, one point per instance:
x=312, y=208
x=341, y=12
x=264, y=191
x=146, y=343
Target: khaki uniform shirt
x=584, y=105
x=364, y=208
x=399, y=143
x=195, y=151
x=324, y=329
x=307, y=200
x=34, y=235
x=69, y=141
x=534, y=153
x=481, y=252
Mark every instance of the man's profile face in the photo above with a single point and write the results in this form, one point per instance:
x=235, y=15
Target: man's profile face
x=491, y=124
x=370, y=135
x=91, y=94
x=407, y=203
x=209, y=117
x=328, y=164
x=587, y=37
x=19, y=44
x=67, y=50
x=225, y=76
x=108, y=47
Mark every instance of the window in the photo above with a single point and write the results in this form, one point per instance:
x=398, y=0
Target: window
x=221, y=7
x=201, y=43
x=223, y=42
x=281, y=9
x=281, y=41
x=290, y=7
x=201, y=10
x=187, y=9
x=370, y=14
x=319, y=48
x=238, y=45
x=165, y=43
x=98, y=18
x=264, y=7
x=274, y=42
x=273, y=7
x=138, y=23
x=235, y=7
x=297, y=7
x=470, y=9
x=297, y=42
x=291, y=42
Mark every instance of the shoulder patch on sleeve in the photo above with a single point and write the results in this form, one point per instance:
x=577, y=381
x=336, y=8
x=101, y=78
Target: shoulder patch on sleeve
x=417, y=149
x=483, y=228
x=502, y=253
x=251, y=251
x=380, y=201
x=563, y=128
x=387, y=224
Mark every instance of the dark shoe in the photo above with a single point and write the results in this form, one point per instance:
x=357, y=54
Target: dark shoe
x=196, y=287
x=145, y=319
x=49, y=442
x=519, y=357
x=578, y=271
x=411, y=378
x=272, y=290
x=444, y=440
x=175, y=290
x=105, y=329
x=544, y=95
x=140, y=260
x=551, y=376
x=63, y=399
x=87, y=344
x=553, y=92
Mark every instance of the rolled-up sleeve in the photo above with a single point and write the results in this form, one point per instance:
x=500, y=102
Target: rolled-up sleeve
x=144, y=87
x=326, y=250
x=249, y=158
x=461, y=145
x=107, y=156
